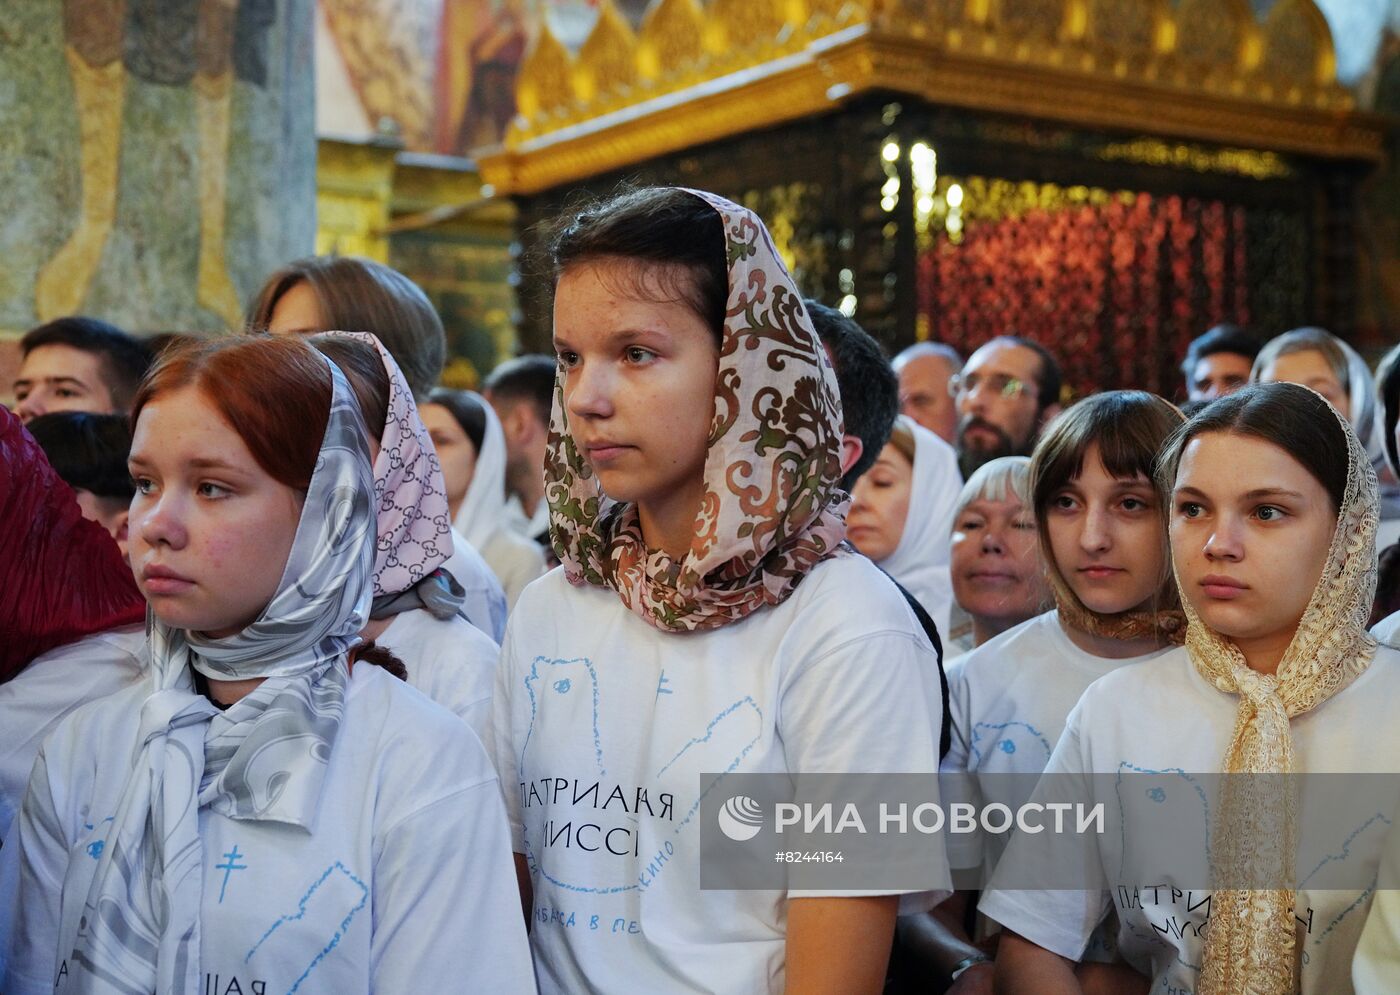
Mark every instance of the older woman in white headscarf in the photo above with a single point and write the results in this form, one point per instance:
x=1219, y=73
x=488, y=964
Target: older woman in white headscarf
x=472, y=448
x=998, y=577
x=902, y=515
x=1316, y=358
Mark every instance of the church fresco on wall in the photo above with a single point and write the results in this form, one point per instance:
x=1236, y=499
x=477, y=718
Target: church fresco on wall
x=439, y=75
x=388, y=52
x=132, y=126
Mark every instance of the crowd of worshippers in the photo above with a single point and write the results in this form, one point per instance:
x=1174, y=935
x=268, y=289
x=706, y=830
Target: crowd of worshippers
x=315, y=676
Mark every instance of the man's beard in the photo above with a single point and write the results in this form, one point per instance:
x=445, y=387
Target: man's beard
x=970, y=459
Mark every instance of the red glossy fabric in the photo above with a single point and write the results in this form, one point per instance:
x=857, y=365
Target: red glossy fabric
x=62, y=577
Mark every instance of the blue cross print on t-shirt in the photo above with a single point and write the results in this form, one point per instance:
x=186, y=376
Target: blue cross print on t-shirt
x=230, y=865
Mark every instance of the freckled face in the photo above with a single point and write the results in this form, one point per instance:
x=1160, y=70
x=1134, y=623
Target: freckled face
x=209, y=530
x=639, y=387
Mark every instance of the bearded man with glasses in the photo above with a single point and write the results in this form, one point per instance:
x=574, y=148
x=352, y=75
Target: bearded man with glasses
x=1007, y=391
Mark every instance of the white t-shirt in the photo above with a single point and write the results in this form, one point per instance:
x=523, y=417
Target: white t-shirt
x=838, y=678
x=52, y=685
x=1376, y=966
x=515, y=560
x=1166, y=718
x=1009, y=699
x=960, y=638
x=485, y=606
x=1387, y=630
x=528, y=526
x=405, y=884
x=450, y=660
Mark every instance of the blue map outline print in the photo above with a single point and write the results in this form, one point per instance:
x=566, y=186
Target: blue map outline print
x=94, y=848
x=534, y=676
x=1346, y=848
x=1343, y=854
x=1154, y=937
x=1336, y=921
x=1000, y=727
x=1122, y=818
x=301, y=913
x=709, y=731
x=531, y=681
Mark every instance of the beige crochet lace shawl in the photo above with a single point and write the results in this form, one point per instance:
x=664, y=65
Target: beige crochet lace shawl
x=1250, y=942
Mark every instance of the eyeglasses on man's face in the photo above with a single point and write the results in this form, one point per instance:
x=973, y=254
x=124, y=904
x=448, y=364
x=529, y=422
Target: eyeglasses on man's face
x=998, y=383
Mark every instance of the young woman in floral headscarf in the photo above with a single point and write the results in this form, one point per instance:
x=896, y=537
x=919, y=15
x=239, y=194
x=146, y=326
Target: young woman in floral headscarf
x=706, y=616
x=1272, y=516
x=264, y=810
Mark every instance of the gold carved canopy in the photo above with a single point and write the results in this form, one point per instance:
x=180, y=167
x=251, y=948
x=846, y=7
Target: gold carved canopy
x=695, y=73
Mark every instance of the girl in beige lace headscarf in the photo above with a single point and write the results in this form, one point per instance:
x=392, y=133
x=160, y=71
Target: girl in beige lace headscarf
x=1251, y=940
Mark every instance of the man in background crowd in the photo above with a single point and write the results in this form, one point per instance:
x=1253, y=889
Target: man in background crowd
x=1218, y=362
x=924, y=370
x=78, y=364
x=1008, y=390
x=522, y=392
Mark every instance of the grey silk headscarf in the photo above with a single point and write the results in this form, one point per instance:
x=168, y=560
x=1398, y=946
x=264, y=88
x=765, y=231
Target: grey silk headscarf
x=263, y=759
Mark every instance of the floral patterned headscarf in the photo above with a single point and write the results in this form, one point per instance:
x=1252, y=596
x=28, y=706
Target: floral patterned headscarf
x=772, y=507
